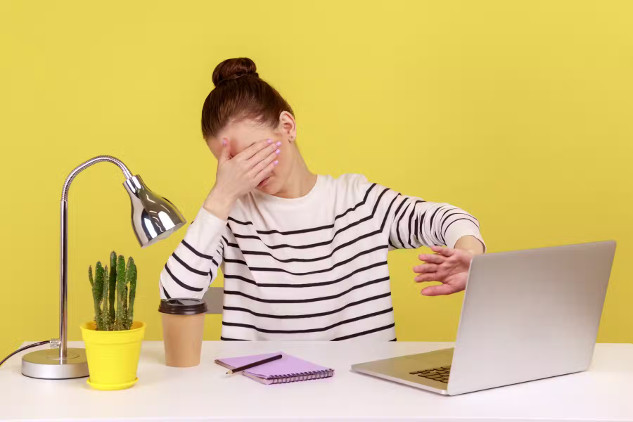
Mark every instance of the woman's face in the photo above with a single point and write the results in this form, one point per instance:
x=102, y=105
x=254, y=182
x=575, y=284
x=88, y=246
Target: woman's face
x=244, y=133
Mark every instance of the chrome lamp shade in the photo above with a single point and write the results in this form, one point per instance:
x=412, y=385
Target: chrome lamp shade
x=153, y=218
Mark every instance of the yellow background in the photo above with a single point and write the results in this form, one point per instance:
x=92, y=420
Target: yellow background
x=517, y=111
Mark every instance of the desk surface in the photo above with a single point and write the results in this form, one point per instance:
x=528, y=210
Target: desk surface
x=204, y=392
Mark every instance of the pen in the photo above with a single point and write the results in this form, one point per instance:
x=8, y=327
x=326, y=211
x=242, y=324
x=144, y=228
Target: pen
x=250, y=365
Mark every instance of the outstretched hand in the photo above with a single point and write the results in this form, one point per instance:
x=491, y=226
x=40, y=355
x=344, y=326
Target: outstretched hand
x=446, y=265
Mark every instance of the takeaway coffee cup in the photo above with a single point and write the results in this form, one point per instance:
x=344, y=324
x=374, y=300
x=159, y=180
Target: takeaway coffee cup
x=183, y=325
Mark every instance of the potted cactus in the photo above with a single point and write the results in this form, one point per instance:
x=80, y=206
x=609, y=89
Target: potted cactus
x=113, y=339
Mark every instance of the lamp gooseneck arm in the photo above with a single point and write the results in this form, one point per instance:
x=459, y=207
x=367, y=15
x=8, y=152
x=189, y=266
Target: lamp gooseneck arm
x=63, y=293
x=85, y=165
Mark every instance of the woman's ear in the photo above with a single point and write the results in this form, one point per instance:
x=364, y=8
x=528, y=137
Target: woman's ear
x=287, y=125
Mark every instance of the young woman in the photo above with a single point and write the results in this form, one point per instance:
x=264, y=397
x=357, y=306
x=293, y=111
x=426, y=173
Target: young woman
x=304, y=255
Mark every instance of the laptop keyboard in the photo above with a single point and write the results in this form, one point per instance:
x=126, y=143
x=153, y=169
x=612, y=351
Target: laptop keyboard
x=437, y=374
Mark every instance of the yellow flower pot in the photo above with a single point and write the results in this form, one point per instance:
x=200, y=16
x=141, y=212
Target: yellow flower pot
x=112, y=355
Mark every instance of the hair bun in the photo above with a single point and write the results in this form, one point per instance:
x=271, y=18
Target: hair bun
x=232, y=69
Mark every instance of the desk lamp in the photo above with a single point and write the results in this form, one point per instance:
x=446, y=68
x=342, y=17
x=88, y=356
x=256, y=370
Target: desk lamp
x=153, y=218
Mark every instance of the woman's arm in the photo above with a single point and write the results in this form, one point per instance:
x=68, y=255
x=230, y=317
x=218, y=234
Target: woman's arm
x=471, y=244
x=410, y=221
x=194, y=264
x=416, y=222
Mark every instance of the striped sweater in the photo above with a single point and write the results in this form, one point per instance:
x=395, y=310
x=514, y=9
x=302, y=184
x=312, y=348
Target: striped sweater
x=313, y=267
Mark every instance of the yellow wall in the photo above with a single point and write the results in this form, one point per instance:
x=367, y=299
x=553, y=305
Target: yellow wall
x=519, y=112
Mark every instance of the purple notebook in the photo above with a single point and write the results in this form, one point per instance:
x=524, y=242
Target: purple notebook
x=286, y=369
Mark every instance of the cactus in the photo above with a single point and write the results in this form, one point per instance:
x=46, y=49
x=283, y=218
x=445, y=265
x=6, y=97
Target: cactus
x=124, y=312
x=110, y=287
x=105, y=315
x=92, y=286
x=120, y=291
x=130, y=274
x=97, y=294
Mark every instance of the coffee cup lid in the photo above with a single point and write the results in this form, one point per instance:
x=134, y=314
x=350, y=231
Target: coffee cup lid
x=182, y=306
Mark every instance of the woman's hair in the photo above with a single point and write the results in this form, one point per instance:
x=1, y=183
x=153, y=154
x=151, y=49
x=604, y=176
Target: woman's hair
x=239, y=93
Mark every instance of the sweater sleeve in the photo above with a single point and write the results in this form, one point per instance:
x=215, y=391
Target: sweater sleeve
x=194, y=264
x=411, y=222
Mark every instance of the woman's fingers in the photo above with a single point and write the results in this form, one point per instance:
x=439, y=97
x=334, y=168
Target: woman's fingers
x=249, y=152
x=426, y=277
x=262, y=154
x=434, y=258
x=266, y=171
x=225, y=153
x=262, y=165
x=425, y=268
x=440, y=289
x=443, y=251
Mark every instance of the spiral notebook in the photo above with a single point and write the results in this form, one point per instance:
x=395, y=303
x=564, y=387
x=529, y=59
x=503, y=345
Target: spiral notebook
x=287, y=369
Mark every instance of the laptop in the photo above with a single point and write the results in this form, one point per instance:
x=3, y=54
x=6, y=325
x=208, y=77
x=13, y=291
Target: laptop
x=527, y=315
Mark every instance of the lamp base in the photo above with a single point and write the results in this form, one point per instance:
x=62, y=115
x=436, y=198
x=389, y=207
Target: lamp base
x=46, y=364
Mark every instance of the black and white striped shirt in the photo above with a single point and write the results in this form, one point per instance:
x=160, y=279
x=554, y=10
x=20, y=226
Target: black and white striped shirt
x=313, y=267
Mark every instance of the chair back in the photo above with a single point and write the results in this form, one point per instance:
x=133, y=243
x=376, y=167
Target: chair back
x=214, y=297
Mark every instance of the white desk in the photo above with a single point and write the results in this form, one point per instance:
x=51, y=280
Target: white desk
x=604, y=393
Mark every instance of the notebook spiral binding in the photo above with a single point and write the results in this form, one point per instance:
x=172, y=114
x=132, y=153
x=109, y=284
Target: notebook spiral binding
x=301, y=376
